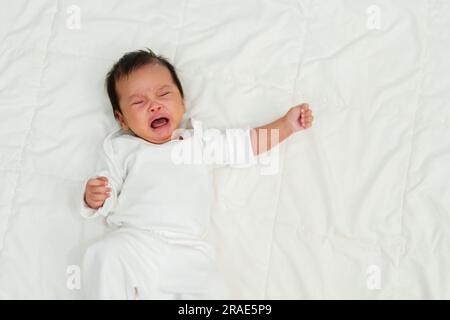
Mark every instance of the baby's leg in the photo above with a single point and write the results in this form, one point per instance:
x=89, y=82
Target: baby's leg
x=188, y=273
x=122, y=265
x=135, y=264
x=104, y=275
x=215, y=290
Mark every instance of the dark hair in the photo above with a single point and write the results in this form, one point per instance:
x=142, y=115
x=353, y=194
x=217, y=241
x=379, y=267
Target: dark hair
x=130, y=62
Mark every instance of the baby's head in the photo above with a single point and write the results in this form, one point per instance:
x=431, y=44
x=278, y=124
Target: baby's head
x=146, y=95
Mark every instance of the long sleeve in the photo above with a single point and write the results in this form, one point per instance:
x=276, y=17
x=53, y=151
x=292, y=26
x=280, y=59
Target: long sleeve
x=108, y=167
x=239, y=148
x=230, y=148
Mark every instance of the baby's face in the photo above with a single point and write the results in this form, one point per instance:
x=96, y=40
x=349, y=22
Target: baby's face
x=151, y=104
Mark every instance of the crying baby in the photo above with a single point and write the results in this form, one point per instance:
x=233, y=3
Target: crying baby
x=159, y=207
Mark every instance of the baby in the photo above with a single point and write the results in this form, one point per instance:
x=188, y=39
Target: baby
x=158, y=209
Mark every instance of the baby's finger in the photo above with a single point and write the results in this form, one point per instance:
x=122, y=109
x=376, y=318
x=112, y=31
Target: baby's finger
x=96, y=182
x=306, y=113
x=99, y=197
x=306, y=119
x=102, y=180
x=304, y=107
x=97, y=204
x=100, y=189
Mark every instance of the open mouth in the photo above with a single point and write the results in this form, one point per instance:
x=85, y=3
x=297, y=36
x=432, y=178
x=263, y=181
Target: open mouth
x=159, y=122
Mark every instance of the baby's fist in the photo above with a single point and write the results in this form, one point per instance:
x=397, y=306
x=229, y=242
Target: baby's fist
x=299, y=117
x=97, y=191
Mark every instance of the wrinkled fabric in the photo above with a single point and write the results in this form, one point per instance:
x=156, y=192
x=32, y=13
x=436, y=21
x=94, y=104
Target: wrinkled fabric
x=358, y=205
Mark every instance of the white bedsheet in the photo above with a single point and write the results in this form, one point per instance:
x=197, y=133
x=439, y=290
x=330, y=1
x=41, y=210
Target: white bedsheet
x=360, y=207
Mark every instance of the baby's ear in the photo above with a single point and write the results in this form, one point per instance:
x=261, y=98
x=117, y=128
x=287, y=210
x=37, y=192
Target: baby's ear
x=120, y=119
x=116, y=115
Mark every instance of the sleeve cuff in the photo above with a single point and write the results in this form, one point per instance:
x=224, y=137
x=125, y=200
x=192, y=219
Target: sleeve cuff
x=87, y=212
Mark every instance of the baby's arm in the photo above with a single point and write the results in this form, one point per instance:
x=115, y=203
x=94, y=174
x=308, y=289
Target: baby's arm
x=268, y=136
x=103, y=187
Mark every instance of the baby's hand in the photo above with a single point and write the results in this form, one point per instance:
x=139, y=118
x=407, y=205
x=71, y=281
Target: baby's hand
x=299, y=117
x=96, y=192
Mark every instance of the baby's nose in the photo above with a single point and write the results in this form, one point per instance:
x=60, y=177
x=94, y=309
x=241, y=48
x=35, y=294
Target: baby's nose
x=154, y=108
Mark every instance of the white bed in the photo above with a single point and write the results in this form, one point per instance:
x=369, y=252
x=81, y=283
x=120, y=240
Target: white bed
x=360, y=206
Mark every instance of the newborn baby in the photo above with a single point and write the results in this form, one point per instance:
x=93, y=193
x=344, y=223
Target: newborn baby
x=159, y=208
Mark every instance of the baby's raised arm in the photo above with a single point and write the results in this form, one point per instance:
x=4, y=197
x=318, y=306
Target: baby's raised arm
x=96, y=192
x=268, y=136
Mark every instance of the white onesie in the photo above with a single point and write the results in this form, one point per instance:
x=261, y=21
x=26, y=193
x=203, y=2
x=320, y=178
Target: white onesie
x=159, y=211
